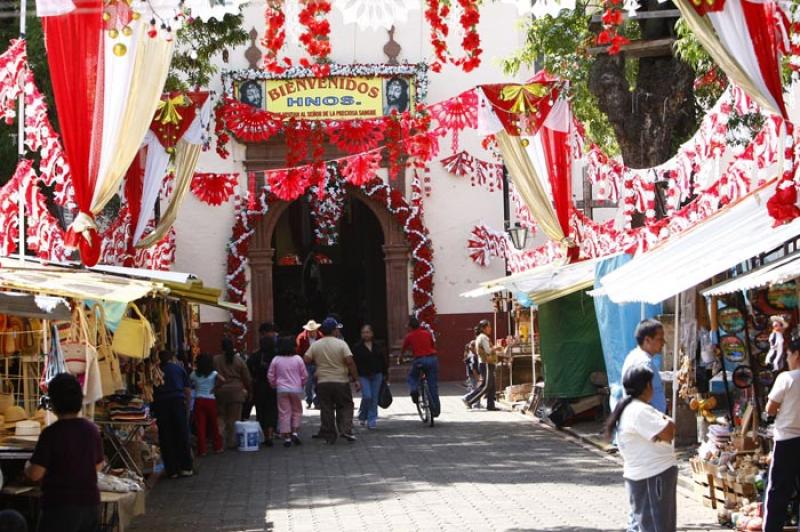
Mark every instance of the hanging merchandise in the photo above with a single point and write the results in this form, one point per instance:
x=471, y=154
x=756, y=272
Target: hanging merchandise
x=103, y=82
x=80, y=356
x=214, y=189
x=108, y=362
x=134, y=337
x=54, y=361
x=375, y=14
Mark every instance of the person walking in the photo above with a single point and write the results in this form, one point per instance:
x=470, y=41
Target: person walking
x=784, y=470
x=235, y=388
x=373, y=367
x=487, y=356
x=265, y=399
x=287, y=375
x=335, y=371
x=650, y=341
x=66, y=460
x=205, y=380
x=650, y=469
x=419, y=342
x=309, y=335
x=171, y=409
x=472, y=368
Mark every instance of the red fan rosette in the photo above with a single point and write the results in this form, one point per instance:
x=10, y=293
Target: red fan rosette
x=288, y=185
x=356, y=136
x=214, y=189
x=360, y=169
x=247, y=123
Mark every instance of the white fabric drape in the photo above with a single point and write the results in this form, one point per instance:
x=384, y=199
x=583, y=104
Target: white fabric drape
x=731, y=28
x=117, y=82
x=156, y=167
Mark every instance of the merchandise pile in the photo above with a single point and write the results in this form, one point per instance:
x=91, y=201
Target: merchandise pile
x=126, y=409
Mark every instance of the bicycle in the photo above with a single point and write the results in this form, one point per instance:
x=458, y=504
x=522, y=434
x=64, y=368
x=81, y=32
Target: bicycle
x=424, y=400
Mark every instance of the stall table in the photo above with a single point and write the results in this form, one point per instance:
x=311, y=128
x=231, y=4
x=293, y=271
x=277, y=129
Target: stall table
x=109, y=431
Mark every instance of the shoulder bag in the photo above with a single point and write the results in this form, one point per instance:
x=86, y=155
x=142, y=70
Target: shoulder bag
x=385, y=395
x=134, y=337
x=77, y=344
x=108, y=363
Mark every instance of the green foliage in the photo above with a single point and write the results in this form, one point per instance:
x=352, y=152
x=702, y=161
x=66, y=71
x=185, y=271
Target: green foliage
x=197, y=45
x=689, y=49
x=560, y=45
x=9, y=29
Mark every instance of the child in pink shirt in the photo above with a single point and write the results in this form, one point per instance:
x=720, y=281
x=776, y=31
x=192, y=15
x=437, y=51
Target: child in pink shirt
x=287, y=374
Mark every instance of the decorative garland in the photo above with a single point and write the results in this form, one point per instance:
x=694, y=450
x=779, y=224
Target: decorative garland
x=249, y=212
x=315, y=36
x=327, y=208
x=118, y=250
x=481, y=173
x=612, y=19
x=274, y=37
x=214, y=189
x=436, y=14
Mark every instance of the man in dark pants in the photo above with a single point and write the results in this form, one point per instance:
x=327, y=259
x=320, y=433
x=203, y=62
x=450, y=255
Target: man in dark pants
x=171, y=409
x=420, y=344
x=335, y=370
x=784, y=471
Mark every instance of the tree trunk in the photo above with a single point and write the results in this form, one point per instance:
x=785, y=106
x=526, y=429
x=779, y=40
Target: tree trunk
x=659, y=112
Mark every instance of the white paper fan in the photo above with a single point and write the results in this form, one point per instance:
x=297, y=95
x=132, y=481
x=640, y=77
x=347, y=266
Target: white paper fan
x=375, y=14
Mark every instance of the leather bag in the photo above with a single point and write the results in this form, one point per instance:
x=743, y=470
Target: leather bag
x=134, y=337
x=107, y=360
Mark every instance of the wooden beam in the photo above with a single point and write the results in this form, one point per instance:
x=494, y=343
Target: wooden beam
x=654, y=48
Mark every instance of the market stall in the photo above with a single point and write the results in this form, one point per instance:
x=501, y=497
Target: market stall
x=104, y=327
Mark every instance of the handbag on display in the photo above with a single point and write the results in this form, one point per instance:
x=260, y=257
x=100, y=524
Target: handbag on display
x=385, y=395
x=11, y=338
x=32, y=339
x=54, y=361
x=134, y=337
x=107, y=360
x=77, y=346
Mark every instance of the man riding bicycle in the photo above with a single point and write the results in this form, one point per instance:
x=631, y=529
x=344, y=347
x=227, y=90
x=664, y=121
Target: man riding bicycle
x=420, y=343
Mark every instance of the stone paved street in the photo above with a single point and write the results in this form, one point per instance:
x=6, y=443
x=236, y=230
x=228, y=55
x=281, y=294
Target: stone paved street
x=474, y=471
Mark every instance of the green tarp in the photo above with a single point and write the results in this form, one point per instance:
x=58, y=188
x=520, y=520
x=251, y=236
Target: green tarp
x=570, y=345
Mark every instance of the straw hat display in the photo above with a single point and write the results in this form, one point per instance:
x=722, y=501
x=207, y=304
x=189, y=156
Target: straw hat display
x=12, y=416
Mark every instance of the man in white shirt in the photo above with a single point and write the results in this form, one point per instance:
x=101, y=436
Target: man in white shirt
x=650, y=341
x=784, y=471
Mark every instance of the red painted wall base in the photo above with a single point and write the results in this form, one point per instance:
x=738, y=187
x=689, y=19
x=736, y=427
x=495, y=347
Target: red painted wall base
x=453, y=332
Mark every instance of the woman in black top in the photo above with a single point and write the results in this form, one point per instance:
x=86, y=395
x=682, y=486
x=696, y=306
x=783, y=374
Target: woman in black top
x=373, y=367
x=265, y=398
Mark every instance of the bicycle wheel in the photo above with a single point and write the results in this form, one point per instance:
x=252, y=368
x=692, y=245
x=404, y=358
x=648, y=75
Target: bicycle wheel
x=423, y=403
x=426, y=391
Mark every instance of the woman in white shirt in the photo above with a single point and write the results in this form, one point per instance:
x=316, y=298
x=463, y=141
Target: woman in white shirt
x=650, y=468
x=784, y=471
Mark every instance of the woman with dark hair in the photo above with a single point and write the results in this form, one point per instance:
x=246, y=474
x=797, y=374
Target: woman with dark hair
x=287, y=375
x=264, y=397
x=650, y=469
x=236, y=386
x=784, y=471
x=205, y=380
x=373, y=368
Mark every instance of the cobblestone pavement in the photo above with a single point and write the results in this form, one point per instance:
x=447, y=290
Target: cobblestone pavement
x=475, y=470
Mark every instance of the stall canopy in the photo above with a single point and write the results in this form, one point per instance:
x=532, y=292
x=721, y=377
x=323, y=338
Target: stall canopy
x=106, y=283
x=544, y=283
x=33, y=306
x=780, y=271
x=733, y=235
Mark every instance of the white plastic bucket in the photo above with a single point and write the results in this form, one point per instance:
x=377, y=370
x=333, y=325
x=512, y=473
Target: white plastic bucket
x=248, y=434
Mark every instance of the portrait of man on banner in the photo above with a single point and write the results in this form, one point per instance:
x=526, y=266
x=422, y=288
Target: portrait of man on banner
x=396, y=95
x=252, y=93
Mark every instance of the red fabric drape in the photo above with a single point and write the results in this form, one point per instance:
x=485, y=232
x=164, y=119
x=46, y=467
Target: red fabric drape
x=557, y=153
x=74, y=55
x=764, y=32
x=134, y=184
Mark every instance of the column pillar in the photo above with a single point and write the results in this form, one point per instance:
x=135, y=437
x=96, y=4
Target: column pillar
x=261, y=261
x=396, y=261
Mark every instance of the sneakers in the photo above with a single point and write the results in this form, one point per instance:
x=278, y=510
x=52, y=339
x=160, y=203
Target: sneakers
x=372, y=426
x=362, y=422
x=186, y=473
x=296, y=439
x=466, y=403
x=349, y=437
x=287, y=442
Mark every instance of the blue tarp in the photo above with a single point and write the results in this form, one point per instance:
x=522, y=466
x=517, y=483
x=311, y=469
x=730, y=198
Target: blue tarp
x=617, y=324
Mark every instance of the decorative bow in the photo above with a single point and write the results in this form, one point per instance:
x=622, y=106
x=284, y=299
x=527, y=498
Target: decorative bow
x=522, y=96
x=706, y=6
x=167, y=112
x=83, y=225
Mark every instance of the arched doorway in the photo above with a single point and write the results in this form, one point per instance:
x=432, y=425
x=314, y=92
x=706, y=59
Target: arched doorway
x=367, y=280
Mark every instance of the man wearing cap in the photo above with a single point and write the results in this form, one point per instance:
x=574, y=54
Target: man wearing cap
x=304, y=340
x=335, y=371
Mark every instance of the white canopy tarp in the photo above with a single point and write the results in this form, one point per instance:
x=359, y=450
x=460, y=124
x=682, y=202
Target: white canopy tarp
x=544, y=283
x=780, y=271
x=727, y=238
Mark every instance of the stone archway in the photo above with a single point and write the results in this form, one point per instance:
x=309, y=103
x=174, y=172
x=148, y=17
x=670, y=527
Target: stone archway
x=396, y=261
